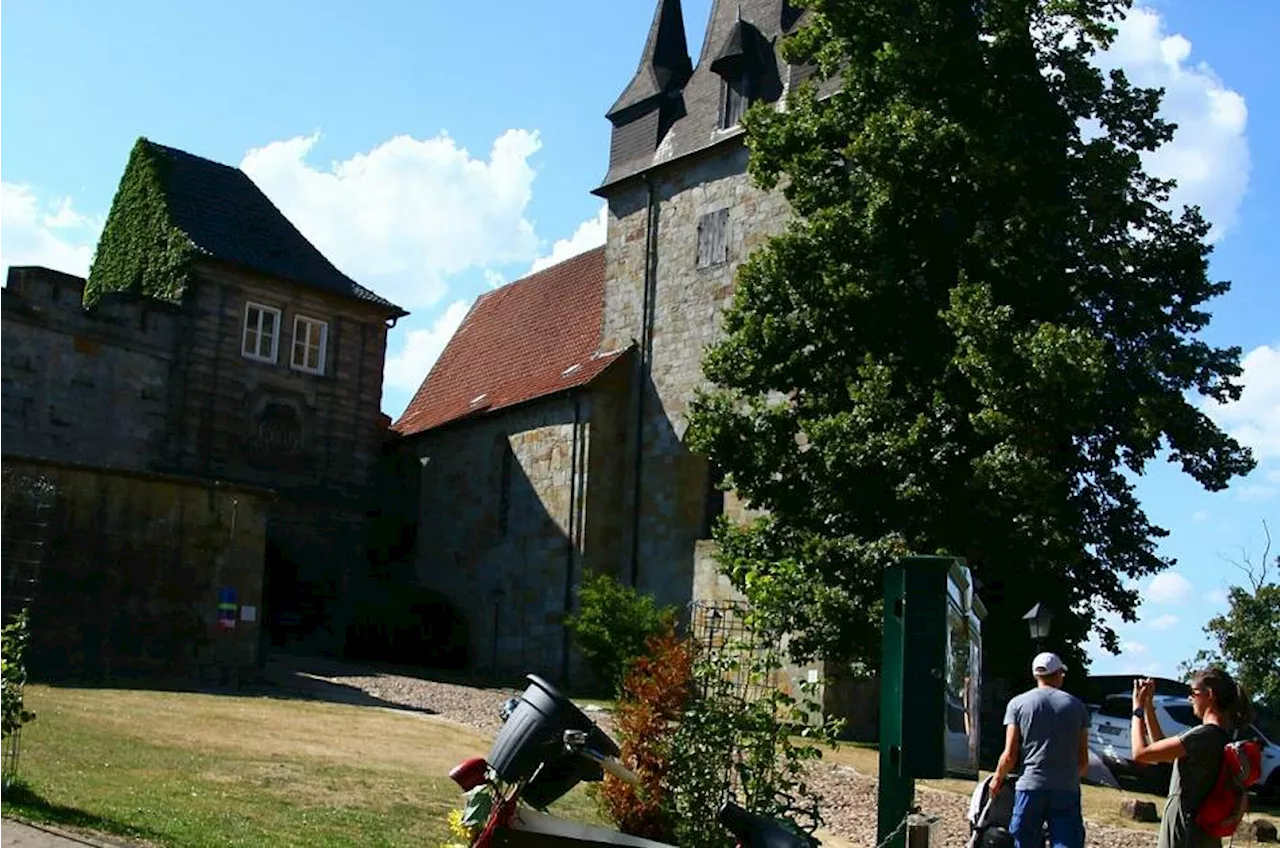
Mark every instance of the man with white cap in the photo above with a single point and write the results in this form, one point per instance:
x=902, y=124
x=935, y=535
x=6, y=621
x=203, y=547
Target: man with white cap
x=1051, y=730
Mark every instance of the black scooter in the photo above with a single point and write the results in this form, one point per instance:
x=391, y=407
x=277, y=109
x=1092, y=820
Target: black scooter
x=545, y=748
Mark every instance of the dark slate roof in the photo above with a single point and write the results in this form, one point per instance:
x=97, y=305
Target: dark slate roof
x=227, y=217
x=664, y=63
x=677, y=125
x=529, y=339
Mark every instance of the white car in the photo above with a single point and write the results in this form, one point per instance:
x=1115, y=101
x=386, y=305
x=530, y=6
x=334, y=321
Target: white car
x=1110, y=723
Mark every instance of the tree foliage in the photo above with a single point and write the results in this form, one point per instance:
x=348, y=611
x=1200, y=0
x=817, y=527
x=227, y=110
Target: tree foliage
x=1247, y=636
x=140, y=250
x=982, y=321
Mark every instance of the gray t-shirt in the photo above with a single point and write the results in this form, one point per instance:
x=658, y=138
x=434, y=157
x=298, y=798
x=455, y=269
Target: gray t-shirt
x=1050, y=722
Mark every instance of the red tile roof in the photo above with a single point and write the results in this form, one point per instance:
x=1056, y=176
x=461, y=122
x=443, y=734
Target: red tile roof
x=531, y=338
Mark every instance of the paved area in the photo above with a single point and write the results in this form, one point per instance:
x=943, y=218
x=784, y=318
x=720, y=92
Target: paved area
x=15, y=834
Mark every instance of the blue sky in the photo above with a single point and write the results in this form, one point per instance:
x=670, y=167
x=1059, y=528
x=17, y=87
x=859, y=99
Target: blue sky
x=433, y=150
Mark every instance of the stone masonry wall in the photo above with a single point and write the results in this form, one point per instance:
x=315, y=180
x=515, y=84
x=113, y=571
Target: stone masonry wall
x=605, y=545
x=507, y=577
x=267, y=423
x=313, y=438
x=83, y=385
x=130, y=580
x=689, y=303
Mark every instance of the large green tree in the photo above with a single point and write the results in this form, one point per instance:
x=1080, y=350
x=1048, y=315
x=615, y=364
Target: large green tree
x=981, y=324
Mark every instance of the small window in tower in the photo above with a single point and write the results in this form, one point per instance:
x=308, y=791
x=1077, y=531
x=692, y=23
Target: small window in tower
x=713, y=238
x=735, y=97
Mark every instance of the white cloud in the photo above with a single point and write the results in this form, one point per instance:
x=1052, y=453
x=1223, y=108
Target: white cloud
x=409, y=213
x=1209, y=154
x=1200, y=516
x=1216, y=597
x=590, y=233
x=1134, y=649
x=52, y=234
x=407, y=369
x=1168, y=588
x=1163, y=622
x=1254, y=419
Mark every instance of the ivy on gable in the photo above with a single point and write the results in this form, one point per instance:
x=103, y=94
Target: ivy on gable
x=140, y=250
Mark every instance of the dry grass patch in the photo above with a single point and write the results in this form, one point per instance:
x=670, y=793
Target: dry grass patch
x=205, y=770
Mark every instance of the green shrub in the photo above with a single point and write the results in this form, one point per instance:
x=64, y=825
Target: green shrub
x=13, y=673
x=613, y=625
x=747, y=740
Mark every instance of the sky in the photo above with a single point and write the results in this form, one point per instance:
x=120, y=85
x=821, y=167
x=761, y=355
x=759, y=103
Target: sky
x=436, y=150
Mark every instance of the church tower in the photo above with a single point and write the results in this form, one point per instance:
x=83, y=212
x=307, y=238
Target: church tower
x=682, y=215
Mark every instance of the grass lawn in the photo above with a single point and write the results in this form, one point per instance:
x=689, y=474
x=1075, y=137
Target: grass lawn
x=188, y=769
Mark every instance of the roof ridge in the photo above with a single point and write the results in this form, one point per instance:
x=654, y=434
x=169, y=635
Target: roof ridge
x=533, y=275
x=205, y=159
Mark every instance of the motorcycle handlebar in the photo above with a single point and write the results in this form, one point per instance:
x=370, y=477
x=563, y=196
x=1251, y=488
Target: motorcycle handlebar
x=615, y=768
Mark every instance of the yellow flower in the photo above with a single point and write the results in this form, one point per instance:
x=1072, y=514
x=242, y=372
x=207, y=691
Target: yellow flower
x=457, y=828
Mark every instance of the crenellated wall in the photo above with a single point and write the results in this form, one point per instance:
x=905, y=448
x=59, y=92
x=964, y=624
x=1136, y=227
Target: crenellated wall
x=83, y=385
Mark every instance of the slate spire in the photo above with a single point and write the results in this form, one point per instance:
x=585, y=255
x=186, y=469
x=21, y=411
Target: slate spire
x=664, y=65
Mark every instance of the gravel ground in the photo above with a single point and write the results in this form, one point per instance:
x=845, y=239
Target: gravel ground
x=850, y=795
x=851, y=800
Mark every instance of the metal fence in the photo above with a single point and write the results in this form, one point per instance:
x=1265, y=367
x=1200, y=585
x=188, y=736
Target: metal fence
x=723, y=629
x=26, y=511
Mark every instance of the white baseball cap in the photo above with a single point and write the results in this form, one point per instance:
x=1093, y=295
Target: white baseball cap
x=1046, y=664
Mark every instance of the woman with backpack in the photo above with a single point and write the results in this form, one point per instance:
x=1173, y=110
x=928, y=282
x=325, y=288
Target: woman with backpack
x=1222, y=706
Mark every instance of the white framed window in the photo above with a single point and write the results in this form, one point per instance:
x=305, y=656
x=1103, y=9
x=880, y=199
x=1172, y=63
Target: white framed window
x=310, y=338
x=261, y=339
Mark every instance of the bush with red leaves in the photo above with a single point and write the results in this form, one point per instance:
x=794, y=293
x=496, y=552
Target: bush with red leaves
x=655, y=692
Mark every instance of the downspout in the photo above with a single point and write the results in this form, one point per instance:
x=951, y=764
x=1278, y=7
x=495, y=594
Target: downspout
x=572, y=531
x=644, y=365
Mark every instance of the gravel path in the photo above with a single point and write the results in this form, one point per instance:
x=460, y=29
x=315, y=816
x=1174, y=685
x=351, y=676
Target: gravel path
x=850, y=795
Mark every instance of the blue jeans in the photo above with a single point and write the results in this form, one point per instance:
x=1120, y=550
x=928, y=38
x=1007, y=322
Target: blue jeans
x=1034, y=808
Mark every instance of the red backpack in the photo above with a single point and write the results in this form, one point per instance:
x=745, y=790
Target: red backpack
x=1220, y=813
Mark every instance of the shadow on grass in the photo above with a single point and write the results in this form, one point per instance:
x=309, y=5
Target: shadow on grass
x=287, y=676
x=24, y=803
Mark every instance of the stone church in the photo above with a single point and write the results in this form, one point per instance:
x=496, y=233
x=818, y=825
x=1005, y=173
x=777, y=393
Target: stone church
x=549, y=438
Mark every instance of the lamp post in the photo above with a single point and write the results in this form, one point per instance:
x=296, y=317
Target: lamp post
x=1038, y=619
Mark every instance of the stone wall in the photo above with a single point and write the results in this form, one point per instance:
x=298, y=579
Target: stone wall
x=313, y=438
x=148, y=385
x=268, y=423
x=496, y=532
x=84, y=385
x=606, y=520
x=688, y=307
x=130, y=573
